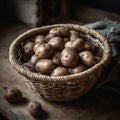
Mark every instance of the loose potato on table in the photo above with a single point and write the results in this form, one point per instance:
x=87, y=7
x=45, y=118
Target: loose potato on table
x=69, y=57
x=44, y=51
x=87, y=58
x=57, y=43
x=60, y=71
x=45, y=66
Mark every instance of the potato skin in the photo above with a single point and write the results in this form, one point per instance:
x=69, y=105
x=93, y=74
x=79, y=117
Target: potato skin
x=28, y=49
x=34, y=59
x=36, y=46
x=45, y=66
x=35, y=109
x=13, y=95
x=69, y=57
x=57, y=43
x=87, y=58
x=49, y=36
x=68, y=44
x=78, y=69
x=60, y=31
x=60, y=71
x=44, y=51
x=74, y=35
x=29, y=66
x=40, y=39
x=57, y=58
x=78, y=44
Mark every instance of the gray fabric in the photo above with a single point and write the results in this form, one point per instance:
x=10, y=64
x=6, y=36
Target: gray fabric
x=110, y=78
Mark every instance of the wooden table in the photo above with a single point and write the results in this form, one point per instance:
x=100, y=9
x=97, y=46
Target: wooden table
x=96, y=105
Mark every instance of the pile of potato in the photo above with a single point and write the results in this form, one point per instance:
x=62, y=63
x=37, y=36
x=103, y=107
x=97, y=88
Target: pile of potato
x=60, y=52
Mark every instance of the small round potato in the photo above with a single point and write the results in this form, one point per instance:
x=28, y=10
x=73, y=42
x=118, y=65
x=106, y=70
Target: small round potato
x=40, y=39
x=57, y=58
x=49, y=36
x=60, y=71
x=60, y=31
x=45, y=66
x=29, y=66
x=74, y=35
x=36, y=46
x=13, y=95
x=57, y=43
x=78, y=44
x=68, y=44
x=87, y=58
x=78, y=69
x=44, y=51
x=69, y=57
x=35, y=109
x=28, y=49
x=34, y=59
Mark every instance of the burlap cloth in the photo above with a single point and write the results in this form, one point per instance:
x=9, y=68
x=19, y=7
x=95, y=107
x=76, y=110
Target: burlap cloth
x=110, y=78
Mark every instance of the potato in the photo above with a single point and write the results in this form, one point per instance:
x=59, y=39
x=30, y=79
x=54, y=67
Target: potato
x=40, y=39
x=57, y=43
x=68, y=44
x=87, y=58
x=49, y=36
x=60, y=71
x=78, y=44
x=29, y=66
x=69, y=57
x=45, y=66
x=44, y=51
x=60, y=31
x=28, y=49
x=34, y=59
x=74, y=32
x=36, y=46
x=78, y=69
x=57, y=58
x=13, y=95
x=74, y=35
x=35, y=109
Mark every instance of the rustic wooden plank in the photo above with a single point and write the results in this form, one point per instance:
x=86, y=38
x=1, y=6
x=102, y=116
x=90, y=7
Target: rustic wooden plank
x=93, y=106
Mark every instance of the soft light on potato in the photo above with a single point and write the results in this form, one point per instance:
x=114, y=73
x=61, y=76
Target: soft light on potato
x=45, y=66
x=69, y=57
x=44, y=51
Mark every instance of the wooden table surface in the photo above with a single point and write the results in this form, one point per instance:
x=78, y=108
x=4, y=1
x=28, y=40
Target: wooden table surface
x=96, y=105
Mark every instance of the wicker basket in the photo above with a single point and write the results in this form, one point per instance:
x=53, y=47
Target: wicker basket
x=64, y=88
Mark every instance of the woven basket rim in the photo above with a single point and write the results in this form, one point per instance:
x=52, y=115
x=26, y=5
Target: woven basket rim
x=44, y=78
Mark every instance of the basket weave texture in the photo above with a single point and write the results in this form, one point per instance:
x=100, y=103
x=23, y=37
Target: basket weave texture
x=64, y=88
